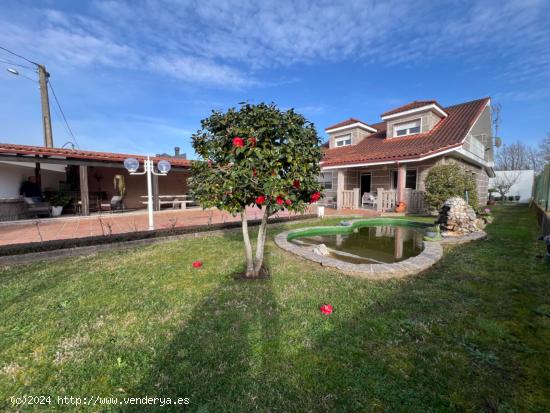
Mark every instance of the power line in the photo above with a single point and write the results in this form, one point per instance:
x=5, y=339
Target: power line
x=17, y=64
x=18, y=55
x=63, y=114
x=60, y=119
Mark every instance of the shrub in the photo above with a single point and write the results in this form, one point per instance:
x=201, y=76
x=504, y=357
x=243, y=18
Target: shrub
x=446, y=181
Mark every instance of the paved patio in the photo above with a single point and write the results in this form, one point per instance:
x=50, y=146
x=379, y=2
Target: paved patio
x=19, y=232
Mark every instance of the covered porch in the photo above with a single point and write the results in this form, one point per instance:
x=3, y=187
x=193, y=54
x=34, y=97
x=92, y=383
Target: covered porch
x=89, y=182
x=379, y=187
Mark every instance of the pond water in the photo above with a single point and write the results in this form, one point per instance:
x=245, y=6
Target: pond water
x=370, y=245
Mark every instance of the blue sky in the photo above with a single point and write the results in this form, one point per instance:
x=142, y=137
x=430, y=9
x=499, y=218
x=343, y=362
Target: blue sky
x=138, y=76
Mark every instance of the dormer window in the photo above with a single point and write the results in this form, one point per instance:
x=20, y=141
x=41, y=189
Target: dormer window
x=407, y=128
x=342, y=141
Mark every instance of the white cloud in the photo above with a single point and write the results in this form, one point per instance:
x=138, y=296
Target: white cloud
x=198, y=70
x=228, y=43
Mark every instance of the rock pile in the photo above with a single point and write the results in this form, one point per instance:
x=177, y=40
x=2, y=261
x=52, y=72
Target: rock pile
x=459, y=217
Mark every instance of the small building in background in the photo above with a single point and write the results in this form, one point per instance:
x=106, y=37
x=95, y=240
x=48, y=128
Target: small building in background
x=522, y=189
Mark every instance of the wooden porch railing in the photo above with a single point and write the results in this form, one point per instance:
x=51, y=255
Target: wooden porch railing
x=387, y=200
x=350, y=199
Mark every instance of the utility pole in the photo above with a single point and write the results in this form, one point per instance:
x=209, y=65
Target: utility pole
x=43, y=76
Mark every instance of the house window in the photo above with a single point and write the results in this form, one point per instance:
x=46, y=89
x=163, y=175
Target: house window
x=410, y=179
x=407, y=128
x=343, y=141
x=326, y=180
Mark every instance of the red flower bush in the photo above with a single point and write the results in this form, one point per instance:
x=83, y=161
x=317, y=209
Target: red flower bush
x=197, y=264
x=326, y=309
x=237, y=141
x=280, y=200
x=260, y=200
x=315, y=197
x=288, y=202
x=296, y=184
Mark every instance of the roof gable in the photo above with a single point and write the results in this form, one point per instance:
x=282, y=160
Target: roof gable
x=415, y=107
x=349, y=123
x=447, y=134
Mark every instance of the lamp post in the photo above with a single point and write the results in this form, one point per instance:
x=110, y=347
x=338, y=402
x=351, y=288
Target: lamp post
x=43, y=76
x=132, y=165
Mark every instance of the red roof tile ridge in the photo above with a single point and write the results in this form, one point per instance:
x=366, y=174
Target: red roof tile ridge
x=29, y=149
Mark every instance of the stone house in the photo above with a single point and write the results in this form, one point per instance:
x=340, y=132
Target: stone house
x=388, y=161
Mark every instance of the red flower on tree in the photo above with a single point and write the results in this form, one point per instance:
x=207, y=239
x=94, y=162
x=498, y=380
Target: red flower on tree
x=252, y=141
x=315, y=197
x=296, y=184
x=254, y=172
x=237, y=141
x=260, y=200
x=326, y=309
x=280, y=200
x=288, y=202
x=197, y=264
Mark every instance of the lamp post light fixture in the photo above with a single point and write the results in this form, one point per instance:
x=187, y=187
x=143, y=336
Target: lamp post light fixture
x=132, y=165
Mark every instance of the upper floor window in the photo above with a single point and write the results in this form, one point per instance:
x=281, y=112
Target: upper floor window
x=407, y=128
x=342, y=141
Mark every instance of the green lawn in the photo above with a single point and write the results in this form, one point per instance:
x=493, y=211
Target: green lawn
x=472, y=334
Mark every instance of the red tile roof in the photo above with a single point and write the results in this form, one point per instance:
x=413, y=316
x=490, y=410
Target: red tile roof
x=14, y=149
x=413, y=105
x=447, y=134
x=347, y=122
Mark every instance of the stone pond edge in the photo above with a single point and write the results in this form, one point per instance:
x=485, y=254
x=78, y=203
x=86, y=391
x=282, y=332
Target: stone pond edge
x=430, y=255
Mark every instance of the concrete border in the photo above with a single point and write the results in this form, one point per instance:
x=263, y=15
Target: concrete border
x=431, y=254
x=19, y=259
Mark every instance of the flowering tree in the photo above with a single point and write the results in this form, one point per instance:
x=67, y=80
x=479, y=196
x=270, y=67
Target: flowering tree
x=256, y=155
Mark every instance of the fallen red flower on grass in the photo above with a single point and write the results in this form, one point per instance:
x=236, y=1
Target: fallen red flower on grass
x=326, y=309
x=197, y=264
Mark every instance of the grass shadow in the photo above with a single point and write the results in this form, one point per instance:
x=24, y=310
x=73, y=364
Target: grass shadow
x=220, y=353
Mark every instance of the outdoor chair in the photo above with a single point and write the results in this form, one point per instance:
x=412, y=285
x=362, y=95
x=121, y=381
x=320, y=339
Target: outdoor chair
x=368, y=200
x=37, y=208
x=116, y=204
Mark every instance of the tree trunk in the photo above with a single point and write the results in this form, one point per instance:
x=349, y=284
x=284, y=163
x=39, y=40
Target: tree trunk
x=260, y=243
x=247, y=247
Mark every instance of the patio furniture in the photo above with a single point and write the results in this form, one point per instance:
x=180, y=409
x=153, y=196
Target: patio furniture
x=37, y=208
x=116, y=204
x=175, y=201
x=369, y=200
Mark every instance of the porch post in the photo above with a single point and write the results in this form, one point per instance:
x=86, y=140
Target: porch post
x=401, y=174
x=340, y=190
x=156, y=203
x=357, y=197
x=37, y=174
x=84, y=194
